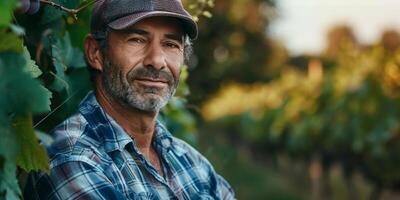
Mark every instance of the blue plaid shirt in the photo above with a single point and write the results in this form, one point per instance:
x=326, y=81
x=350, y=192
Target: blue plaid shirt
x=92, y=157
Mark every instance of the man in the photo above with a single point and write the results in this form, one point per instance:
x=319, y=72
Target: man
x=114, y=148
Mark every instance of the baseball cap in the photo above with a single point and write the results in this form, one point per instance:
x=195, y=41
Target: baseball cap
x=120, y=14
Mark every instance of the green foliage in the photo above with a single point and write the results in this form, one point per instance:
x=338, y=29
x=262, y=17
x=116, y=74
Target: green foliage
x=342, y=107
x=346, y=113
x=19, y=144
x=18, y=83
x=10, y=42
x=250, y=179
x=31, y=155
x=235, y=48
x=176, y=115
x=30, y=66
x=65, y=57
x=6, y=7
x=197, y=8
x=9, y=188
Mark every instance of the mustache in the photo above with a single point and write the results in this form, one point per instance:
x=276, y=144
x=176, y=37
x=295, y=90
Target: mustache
x=150, y=72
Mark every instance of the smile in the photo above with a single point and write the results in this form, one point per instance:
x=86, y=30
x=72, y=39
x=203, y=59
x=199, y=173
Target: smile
x=149, y=82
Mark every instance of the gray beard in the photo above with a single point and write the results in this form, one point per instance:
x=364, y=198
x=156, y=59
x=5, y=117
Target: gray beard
x=121, y=88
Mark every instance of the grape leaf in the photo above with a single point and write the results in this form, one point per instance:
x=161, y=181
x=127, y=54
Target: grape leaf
x=18, y=81
x=10, y=42
x=31, y=155
x=6, y=7
x=8, y=152
x=19, y=85
x=9, y=182
x=31, y=66
x=65, y=53
x=65, y=56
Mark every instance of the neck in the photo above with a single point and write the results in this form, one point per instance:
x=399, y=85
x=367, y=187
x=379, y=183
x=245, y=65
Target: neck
x=137, y=123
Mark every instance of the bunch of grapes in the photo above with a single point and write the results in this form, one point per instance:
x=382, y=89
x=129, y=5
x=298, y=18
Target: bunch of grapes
x=28, y=6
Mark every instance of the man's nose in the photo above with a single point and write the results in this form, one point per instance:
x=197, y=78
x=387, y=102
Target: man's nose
x=155, y=57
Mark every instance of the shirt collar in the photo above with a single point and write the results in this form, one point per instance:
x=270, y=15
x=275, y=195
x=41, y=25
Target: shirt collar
x=162, y=137
x=113, y=135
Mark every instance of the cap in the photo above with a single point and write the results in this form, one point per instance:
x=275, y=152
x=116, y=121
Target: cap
x=120, y=14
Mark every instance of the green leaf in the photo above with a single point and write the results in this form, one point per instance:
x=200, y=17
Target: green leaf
x=42, y=98
x=50, y=14
x=6, y=7
x=31, y=156
x=10, y=41
x=8, y=152
x=64, y=52
x=8, y=181
x=31, y=66
x=64, y=57
x=18, y=85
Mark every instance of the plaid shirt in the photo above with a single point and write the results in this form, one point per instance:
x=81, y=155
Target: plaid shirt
x=92, y=157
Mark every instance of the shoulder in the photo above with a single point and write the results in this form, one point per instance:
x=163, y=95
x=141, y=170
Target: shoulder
x=203, y=168
x=71, y=180
x=74, y=140
x=183, y=148
x=66, y=134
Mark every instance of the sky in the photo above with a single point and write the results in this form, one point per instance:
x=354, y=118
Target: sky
x=302, y=24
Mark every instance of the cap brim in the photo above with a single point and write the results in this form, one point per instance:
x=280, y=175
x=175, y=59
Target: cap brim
x=190, y=27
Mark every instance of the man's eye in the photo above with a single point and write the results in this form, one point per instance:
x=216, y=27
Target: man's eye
x=137, y=40
x=172, y=45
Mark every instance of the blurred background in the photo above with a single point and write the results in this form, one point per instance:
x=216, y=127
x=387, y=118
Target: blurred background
x=288, y=99
x=300, y=99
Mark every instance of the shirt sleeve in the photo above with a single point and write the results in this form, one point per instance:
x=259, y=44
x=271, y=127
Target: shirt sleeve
x=72, y=180
x=224, y=190
x=221, y=188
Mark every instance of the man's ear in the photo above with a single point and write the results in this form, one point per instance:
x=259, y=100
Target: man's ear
x=93, y=53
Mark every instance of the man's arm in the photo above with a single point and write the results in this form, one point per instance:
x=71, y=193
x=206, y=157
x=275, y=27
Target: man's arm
x=72, y=180
x=220, y=187
x=224, y=190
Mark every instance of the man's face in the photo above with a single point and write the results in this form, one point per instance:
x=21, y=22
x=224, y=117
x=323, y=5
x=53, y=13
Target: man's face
x=142, y=64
